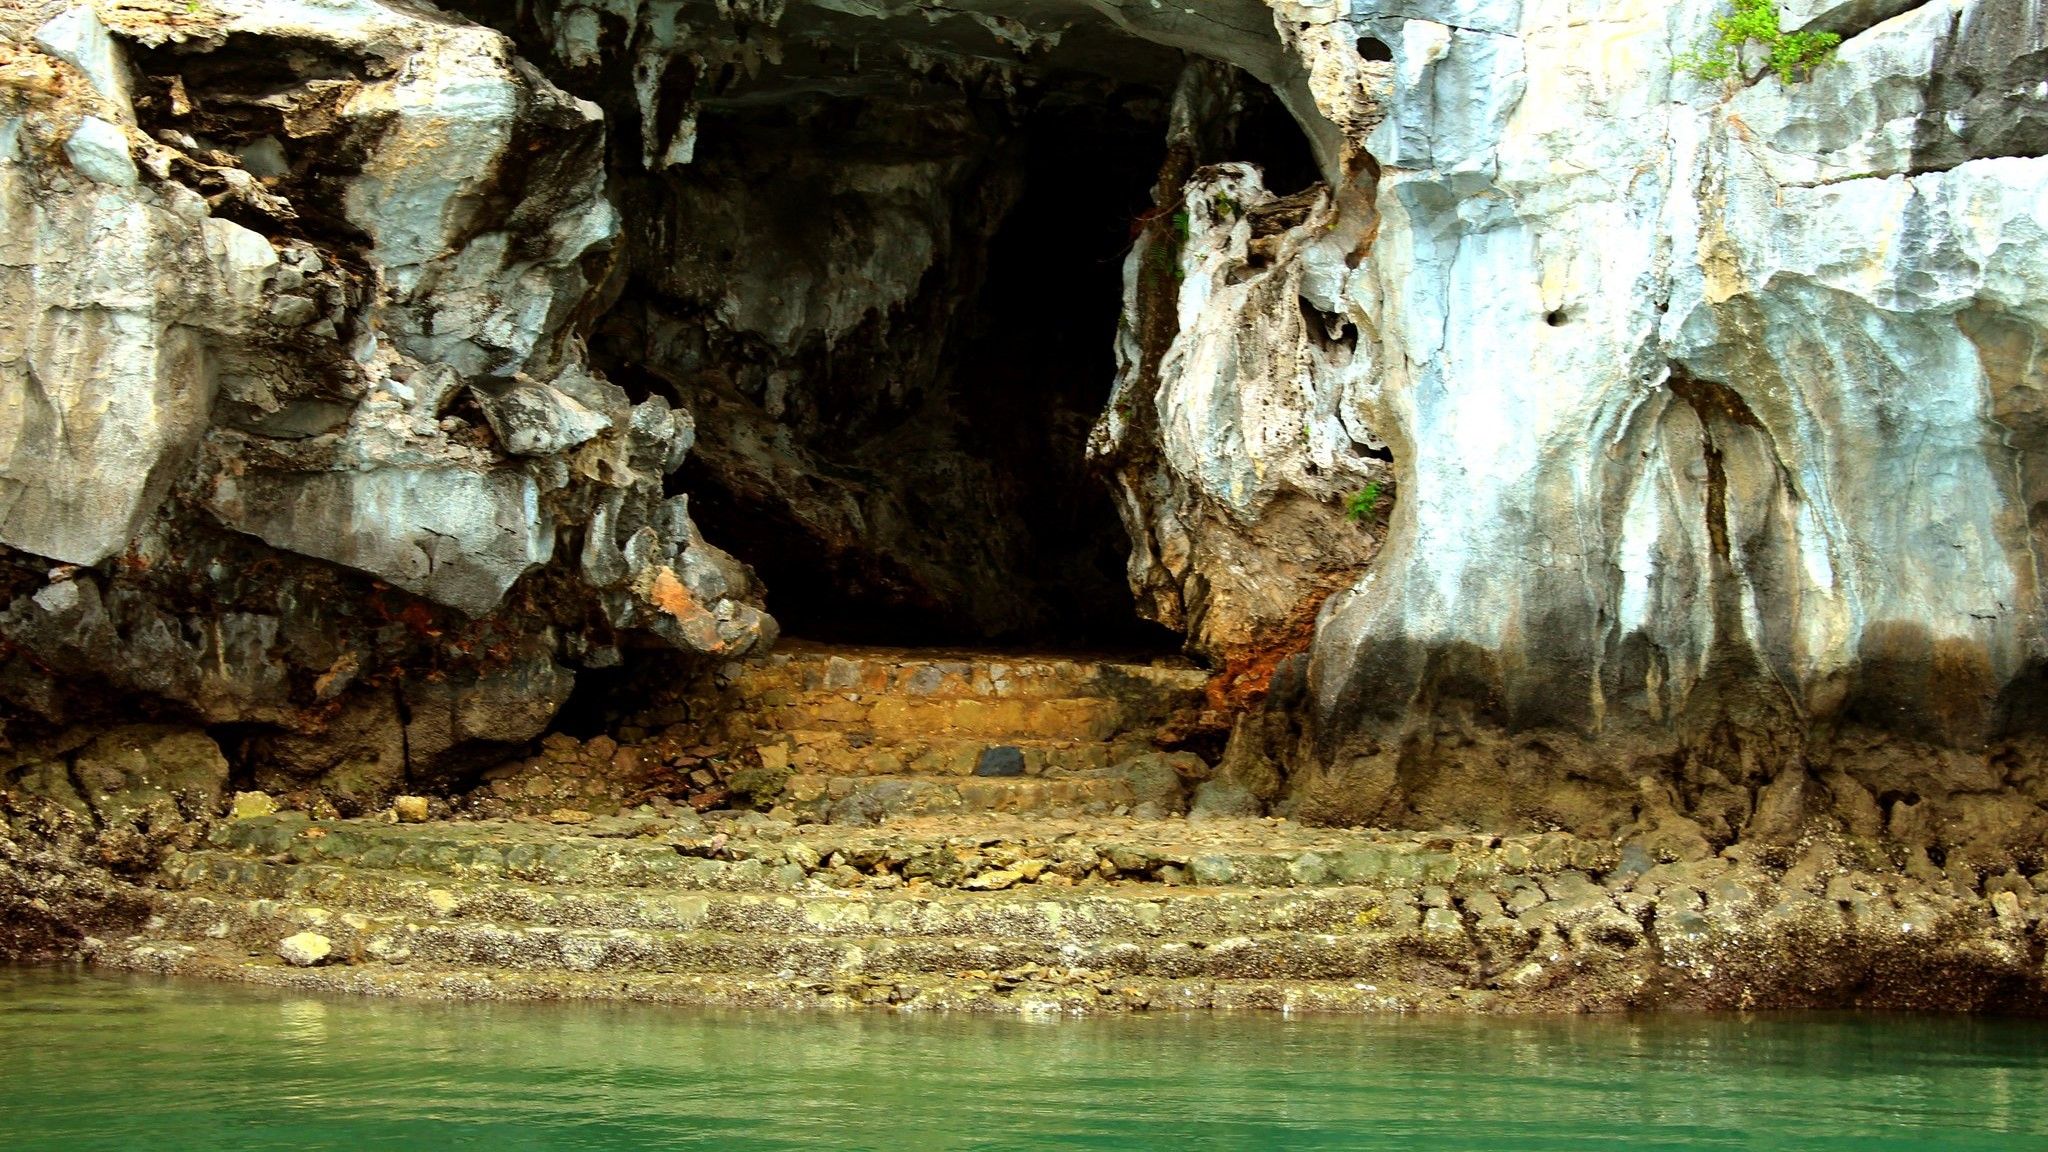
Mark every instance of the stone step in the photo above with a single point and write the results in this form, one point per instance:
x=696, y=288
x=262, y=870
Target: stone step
x=1098, y=912
x=1057, y=991
x=797, y=668
x=1376, y=952
x=909, y=718
x=752, y=853
x=867, y=800
x=839, y=753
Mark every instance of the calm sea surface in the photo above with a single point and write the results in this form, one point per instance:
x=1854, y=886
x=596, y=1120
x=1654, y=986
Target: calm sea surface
x=90, y=1062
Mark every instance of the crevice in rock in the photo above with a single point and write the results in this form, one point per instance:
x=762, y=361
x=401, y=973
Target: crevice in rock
x=403, y=712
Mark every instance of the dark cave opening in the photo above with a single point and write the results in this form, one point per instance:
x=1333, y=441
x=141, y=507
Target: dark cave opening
x=1266, y=135
x=1374, y=50
x=1022, y=369
x=891, y=305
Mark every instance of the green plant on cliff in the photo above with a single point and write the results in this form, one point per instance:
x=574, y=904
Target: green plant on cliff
x=1362, y=503
x=1791, y=53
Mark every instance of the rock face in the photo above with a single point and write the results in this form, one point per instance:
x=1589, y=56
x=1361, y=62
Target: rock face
x=295, y=416
x=1251, y=482
x=1550, y=438
x=1714, y=413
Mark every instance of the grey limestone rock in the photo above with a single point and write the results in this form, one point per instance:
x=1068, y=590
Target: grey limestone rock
x=537, y=420
x=99, y=151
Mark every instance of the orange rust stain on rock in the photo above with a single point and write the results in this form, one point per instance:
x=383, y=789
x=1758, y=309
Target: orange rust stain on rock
x=1247, y=673
x=669, y=595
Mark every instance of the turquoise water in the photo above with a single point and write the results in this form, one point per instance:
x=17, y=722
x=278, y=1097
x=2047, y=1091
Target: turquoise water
x=89, y=1062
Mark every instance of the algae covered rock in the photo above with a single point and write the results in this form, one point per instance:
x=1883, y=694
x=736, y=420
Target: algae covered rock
x=130, y=771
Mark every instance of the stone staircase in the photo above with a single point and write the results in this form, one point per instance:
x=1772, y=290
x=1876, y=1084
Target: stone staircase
x=869, y=734
x=975, y=911
x=1056, y=915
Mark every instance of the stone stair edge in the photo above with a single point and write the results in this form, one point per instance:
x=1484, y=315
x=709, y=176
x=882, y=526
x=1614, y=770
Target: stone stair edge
x=1250, y=834
x=264, y=917
x=999, y=995
x=478, y=889
x=800, y=651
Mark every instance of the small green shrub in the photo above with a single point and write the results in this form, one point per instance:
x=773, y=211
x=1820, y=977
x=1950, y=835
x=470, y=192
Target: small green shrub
x=1791, y=53
x=1362, y=503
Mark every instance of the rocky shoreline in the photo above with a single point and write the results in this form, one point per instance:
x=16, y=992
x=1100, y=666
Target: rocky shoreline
x=1088, y=915
x=828, y=828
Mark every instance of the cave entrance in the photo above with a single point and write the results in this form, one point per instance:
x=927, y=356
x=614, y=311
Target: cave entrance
x=892, y=306
x=964, y=511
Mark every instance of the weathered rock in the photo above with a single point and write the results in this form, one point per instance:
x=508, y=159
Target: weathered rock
x=1249, y=481
x=453, y=535
x=51, y=780
x=269, y=333
x=1223, y=799
x=1673, y=529
x=305, y=949
x=1158, y=782
x=99, y=151
x=77, y=37
x=1001, y=760
x=536, y=420
x=249, y=805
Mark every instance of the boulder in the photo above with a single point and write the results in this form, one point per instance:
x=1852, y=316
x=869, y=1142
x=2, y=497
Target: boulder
x=99, y=151
x=1158, y=782
x=305, y=949
x=536, y=420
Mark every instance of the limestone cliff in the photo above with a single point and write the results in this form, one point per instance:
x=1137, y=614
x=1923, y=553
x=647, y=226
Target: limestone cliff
x=1547, y=436
x=1714, y=412
x=297, y=432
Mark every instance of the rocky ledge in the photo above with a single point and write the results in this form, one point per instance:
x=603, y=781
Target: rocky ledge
x=1074, y=915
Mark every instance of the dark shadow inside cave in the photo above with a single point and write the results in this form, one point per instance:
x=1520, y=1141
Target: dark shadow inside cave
x=904, y=463
x=990, y=424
